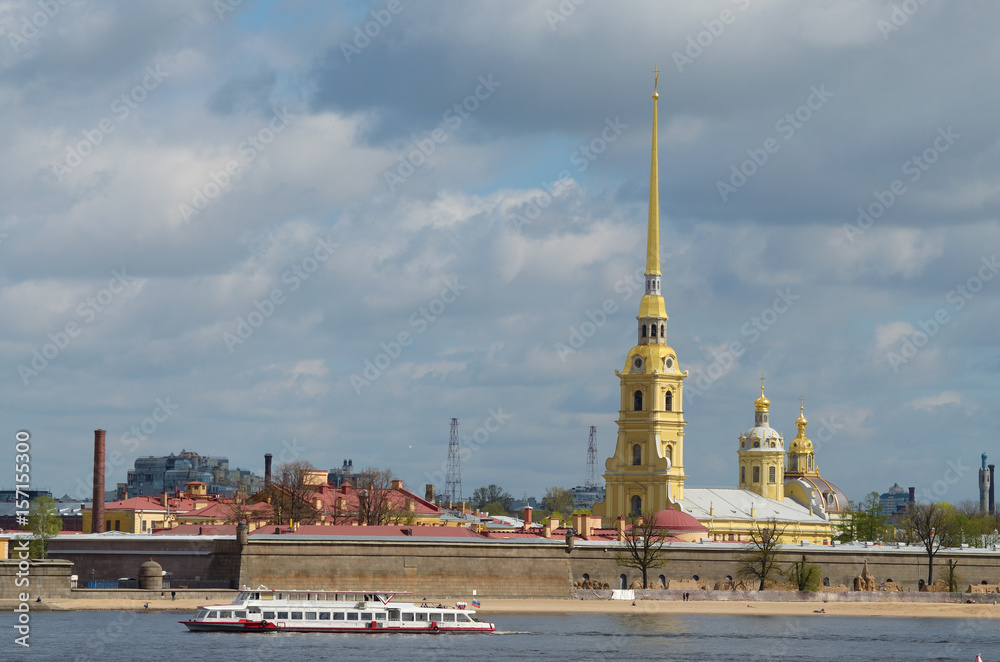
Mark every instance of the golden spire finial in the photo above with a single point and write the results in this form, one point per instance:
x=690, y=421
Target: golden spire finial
x=762, y=403
x=653, y=232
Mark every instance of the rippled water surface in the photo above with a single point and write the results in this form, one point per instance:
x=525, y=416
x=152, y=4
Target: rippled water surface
x=154, y=636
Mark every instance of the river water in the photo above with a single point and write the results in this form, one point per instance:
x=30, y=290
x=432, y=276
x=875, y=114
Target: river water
x=102, y=636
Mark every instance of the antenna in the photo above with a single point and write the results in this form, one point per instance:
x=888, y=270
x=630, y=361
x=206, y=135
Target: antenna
x=592, y=458
x=453, y=482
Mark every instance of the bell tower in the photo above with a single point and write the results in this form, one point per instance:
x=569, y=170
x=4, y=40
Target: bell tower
x=646, y=473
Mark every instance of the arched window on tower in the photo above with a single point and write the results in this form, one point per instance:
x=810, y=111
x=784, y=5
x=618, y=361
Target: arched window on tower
x=637, y=401
x=643, y=330
x=756, y=474
x=668, y=404
x=795, y=463
x=771, y=474
x=637, y=505
x=743, y=475
x=663, y=330
x=636, y=455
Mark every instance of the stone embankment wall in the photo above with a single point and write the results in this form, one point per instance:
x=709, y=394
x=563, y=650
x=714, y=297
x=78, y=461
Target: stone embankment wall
x=48, y=579
x=794, y=596
x=493, y=569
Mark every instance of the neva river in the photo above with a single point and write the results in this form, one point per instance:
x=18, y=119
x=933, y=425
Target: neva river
x=157, y=636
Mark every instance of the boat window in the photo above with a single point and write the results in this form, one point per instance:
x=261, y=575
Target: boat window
x=338, y=615
x=435, y=617
x=366, y=616
x=352, y=615
x=380, y=616
x=241, y=614
x=279, y=596
x=268, y=615
x=202, y=613
x=324, y=616
x=449, y=618
x=296, y=615
x=310, y=616
x=282, y=615
x=393, y=614
x=407, y=616
x=422, y=616
x=225, y=614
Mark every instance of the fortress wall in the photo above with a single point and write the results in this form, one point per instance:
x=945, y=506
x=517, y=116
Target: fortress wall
x=440, y=569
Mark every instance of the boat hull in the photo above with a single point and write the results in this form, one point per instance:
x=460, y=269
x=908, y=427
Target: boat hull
x=257, y=627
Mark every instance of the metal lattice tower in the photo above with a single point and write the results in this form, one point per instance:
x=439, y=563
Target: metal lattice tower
x=453, y=481
x=592, y=459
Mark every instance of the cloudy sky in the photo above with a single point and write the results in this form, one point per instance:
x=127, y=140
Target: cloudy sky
x=323, y=229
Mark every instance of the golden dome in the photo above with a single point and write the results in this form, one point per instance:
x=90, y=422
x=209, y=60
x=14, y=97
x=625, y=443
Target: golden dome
x=762, y=403
x=801, y=420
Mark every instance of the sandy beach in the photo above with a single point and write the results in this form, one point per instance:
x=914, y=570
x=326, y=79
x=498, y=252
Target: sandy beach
x=491, y=607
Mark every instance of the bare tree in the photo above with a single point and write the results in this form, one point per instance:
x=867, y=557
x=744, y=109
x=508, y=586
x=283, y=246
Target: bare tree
x=378, y=502
x=761, y=558
x=931, y=525
x=482, y=496
x=642, y=547
x=290, y=496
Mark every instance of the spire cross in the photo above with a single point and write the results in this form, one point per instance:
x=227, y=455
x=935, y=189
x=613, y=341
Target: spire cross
x=762, y=384
x=656, y=77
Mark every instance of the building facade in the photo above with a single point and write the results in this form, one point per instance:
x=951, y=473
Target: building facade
x=646, y=472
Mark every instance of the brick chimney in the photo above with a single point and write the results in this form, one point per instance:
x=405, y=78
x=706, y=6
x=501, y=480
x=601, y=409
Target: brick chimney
x=429, y=492
x=397, y=484
x=527, y=517
x=267, y=469
x=912, y=494
x=97, y=513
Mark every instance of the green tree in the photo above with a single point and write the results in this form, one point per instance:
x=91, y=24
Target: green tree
x=864, y=521
x=933, y=525
x=44, y=523
x=642, y=547
x=482, y=496
x=806, y=576
x=557, y=500
x=760, y=561
x=494, y=508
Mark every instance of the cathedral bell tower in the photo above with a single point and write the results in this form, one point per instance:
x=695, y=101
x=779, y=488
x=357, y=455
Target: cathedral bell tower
x=646, y=473
x=762, y=454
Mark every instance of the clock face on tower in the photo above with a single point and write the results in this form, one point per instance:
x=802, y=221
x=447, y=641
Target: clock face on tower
x=637, y=362
x=669, y=362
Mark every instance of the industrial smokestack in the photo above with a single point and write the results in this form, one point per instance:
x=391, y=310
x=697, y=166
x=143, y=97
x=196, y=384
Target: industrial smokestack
x=913, y=492
x=97, y=515
x=267, y=469
x=991, y=467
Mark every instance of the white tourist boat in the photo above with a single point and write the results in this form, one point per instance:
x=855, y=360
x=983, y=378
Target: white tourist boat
x=272, y=610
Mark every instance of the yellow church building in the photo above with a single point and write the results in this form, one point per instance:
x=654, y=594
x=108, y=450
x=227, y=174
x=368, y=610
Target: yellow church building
x=646, y=473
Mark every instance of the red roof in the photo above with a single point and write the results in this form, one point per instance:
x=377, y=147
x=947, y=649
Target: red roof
x=225, y=510
x=675, y=521
x=149, y=503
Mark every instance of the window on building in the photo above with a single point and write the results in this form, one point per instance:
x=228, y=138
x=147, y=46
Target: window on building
x=622, y=582
x=663, y=330
x=636, y=455
x=637, y=505
x=771, y=473
x=643, y=330
x=669, y=401
x=743, y=474
x=795, y=463
x=637, y=401
x=756, y=474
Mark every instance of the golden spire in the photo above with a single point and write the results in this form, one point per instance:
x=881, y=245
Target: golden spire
x=653, y=236
x=762, y=403
x=801, y=422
